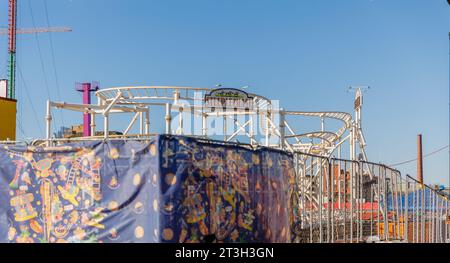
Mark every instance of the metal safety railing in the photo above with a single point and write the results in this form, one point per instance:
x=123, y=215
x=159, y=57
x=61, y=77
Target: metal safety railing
x=343, y=201
x=427, y=215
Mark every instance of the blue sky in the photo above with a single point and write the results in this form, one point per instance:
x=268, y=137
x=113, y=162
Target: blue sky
x=304, y=53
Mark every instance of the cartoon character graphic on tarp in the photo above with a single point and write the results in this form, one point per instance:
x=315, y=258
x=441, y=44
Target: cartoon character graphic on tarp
x=216, y=197
x=226, y=206
x=194, y=206
x=23, y=207
x=45, y=193
x=43, y=168
x=14, y=184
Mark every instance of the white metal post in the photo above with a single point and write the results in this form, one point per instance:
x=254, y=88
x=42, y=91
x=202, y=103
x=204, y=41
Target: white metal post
x=322, y=127
x=92, y=124
x=141, y=123
x=225, y=128
x=250, y=130
x=176, y=97
x=48, y=119
x=106, y=126
x=416, y=209
x=267, y=129
x=147, y=121
x=320, y=175
x=235, y=121
x=433, y=215
x=106, y=114
x=204, y=128
x=423, y=214
x=282, y=129
x=130, y=125
x=339, y=178
x=352, y=196
x=180, y=120
x=168, y=118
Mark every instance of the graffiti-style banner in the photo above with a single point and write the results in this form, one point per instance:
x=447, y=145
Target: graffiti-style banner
x=169, y=189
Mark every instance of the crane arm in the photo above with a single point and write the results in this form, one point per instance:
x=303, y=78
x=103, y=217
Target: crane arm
x=4, y=31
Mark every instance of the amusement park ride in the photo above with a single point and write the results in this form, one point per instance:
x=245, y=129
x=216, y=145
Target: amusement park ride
x=240, y=114
x=341, y=195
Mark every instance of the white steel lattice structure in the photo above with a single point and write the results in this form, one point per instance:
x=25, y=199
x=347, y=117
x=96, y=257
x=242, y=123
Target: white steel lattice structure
x=276, y=130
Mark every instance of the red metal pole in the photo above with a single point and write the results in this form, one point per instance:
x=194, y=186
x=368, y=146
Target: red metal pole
x=12, y=25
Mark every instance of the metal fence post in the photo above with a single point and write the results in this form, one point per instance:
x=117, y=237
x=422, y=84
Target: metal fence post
x=345, y=201
x=446, y=226
x=310, y=201
x=423, y=210
x=433, y=215
x=371, y=203
x=320, y=173
x=414, y=222
x=379, y=202
x=329, y=198
x=406, y=218
x=352, y=174
x=386, y=226
x=418, y=222
x=361, y=201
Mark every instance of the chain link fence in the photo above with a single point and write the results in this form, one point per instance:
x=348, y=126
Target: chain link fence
x=343, y=201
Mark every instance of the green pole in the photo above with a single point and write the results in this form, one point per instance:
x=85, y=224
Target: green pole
x=12, y=77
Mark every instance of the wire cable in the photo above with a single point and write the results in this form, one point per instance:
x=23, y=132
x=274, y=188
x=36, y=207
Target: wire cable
x=426, y=155
x=58, y=89
x=39, y=50
x=40, y=55
x=19, y=115
x=31, y=102
x=21, y=129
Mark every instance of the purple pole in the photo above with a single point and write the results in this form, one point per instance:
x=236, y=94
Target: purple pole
x=86, y=89
x=86, y=116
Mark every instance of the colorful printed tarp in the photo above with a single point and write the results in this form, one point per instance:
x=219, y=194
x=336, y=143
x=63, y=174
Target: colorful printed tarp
x=170, y=189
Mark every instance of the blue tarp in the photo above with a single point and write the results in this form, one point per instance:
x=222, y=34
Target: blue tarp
x=421, y=198
x=169, y=189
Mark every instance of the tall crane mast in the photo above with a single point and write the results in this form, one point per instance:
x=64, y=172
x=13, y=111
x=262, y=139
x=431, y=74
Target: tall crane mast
x=12, y=26
x=12, y=33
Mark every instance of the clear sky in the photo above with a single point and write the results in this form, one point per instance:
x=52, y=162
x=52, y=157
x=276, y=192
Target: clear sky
x=304, y=53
